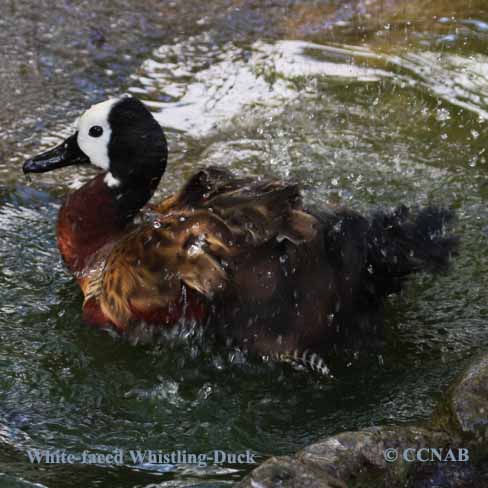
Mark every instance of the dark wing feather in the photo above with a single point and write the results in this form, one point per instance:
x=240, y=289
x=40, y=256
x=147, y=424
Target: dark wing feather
x=194, y=238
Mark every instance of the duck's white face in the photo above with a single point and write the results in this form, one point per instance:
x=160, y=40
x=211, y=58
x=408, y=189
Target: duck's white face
x=119, y=136
x=94, y=134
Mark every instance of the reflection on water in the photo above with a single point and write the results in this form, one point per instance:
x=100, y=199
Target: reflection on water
x=364, y=103
x=203, y=88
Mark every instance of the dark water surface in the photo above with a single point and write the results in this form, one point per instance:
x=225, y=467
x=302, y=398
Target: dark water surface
x=368, y=105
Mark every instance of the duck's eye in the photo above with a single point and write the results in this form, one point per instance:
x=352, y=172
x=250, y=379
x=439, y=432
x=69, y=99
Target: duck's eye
x=95, y=131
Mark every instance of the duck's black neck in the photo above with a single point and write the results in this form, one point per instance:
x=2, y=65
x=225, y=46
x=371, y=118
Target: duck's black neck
x=131, y=195
x=138, y=154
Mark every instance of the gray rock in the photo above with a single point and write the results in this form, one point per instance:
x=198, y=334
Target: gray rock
x=468, y=402
x=288, y=472
x=345, y=457
x=358, y=458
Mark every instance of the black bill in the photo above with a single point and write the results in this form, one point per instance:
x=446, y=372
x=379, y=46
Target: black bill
x=66, y=154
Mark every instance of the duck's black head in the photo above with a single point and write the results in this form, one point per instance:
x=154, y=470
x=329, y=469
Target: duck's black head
x=121, y=137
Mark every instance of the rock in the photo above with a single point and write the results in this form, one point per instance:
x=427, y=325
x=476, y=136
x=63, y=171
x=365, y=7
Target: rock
x=287, y=472
x=468, y=402
x=348, y=456
x=358, y=458
x=352, y=454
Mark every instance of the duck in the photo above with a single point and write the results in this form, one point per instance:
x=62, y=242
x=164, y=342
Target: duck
x=239, y=256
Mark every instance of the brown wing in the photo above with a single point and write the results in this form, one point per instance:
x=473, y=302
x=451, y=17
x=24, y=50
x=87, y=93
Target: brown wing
x=256, y=209
x=194, y=238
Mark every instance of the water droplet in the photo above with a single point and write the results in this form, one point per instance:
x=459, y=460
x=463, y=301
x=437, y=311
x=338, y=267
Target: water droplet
x=442, y=114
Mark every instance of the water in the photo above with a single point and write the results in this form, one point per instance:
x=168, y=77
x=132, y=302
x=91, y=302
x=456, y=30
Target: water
x=366, y=104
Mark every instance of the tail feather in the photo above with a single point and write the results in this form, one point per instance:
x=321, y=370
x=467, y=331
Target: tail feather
x=372, y=257
x=399, y=244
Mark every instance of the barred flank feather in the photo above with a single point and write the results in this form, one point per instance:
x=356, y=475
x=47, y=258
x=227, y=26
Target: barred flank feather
x=310, y=360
